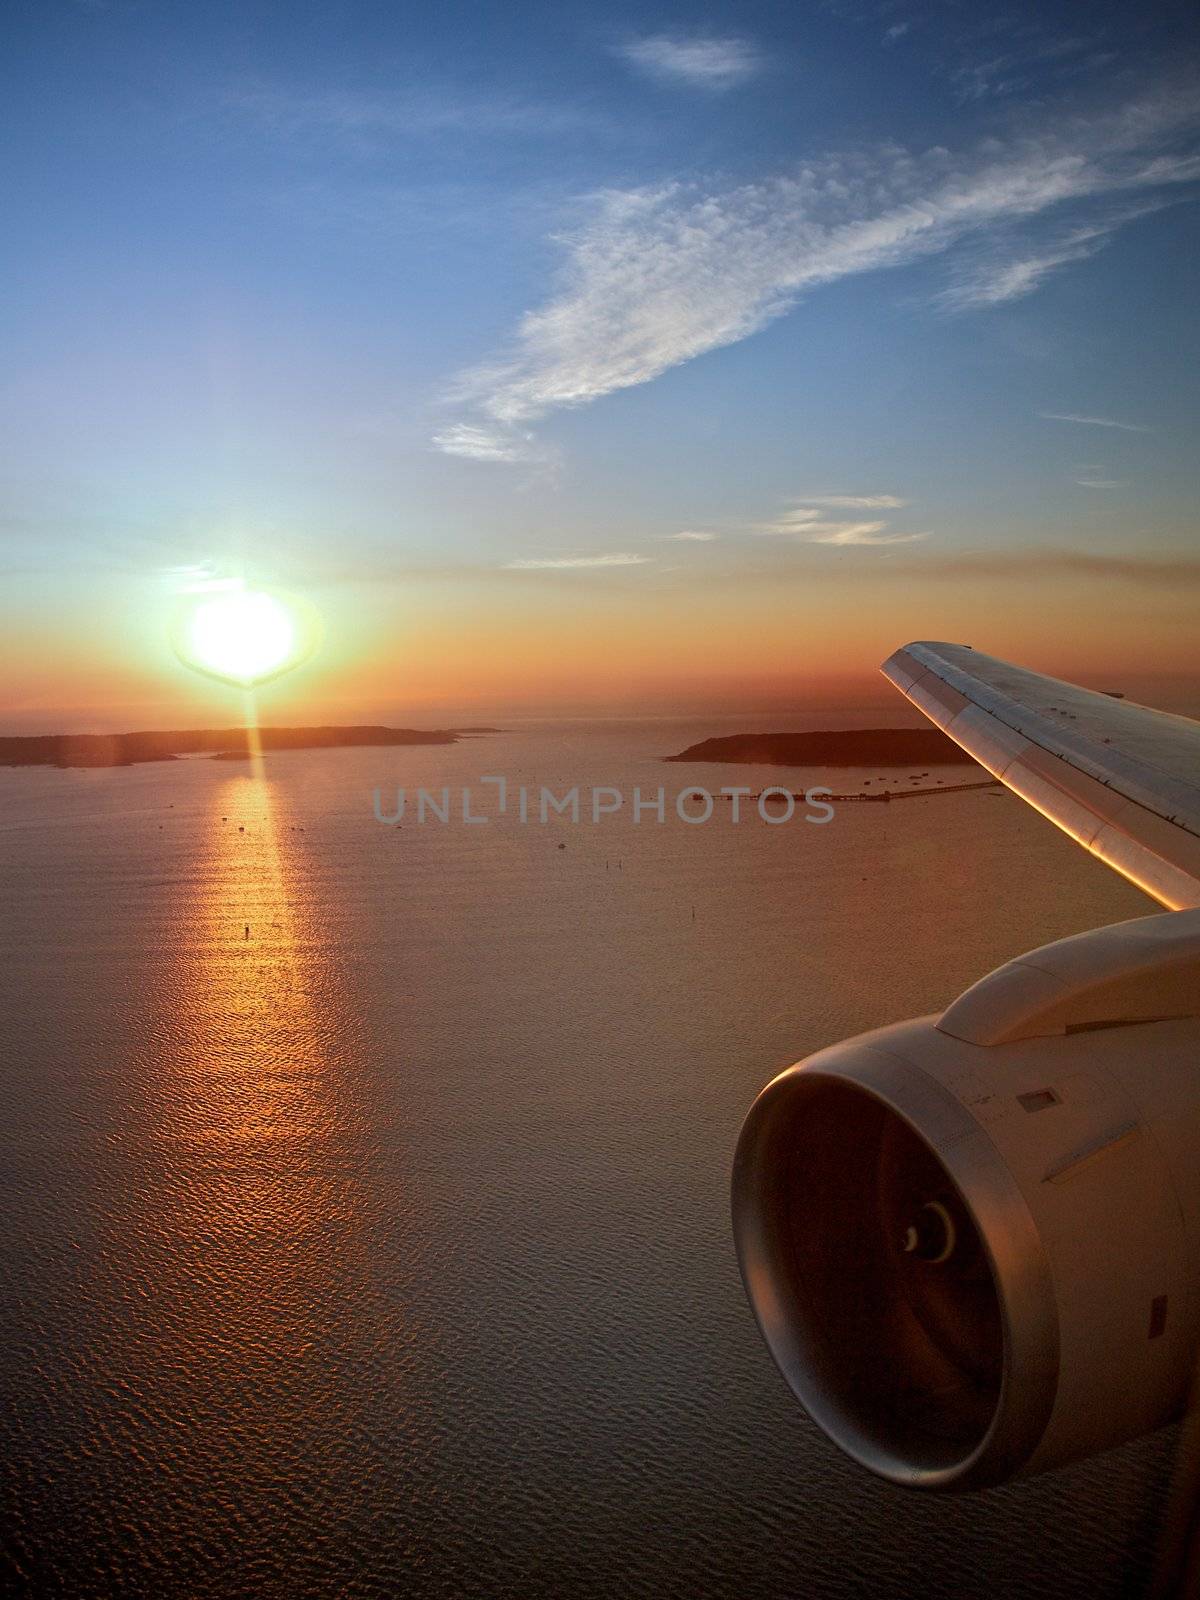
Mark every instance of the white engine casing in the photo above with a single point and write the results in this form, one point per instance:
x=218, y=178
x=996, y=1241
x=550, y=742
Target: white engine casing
x=1051, y=1121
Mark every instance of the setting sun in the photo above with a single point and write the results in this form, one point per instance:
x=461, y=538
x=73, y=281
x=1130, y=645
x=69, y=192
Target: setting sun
x=241, y=635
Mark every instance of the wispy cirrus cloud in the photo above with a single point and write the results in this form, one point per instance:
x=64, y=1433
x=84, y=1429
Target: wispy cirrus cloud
x=691, y=536
x=1003, y=56
x=807, y=523
x=994, y=277
x=994, y=283
x=574, y=563
x=699, y=61
x=1094, y=422
x=1013, y=279
x=476, y=443
x=660, y=275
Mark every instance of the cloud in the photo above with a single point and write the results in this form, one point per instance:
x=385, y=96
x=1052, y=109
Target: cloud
x=701, y=63
x=796, y=521
x=1094, y=422
x=856, y=502
x=484, y=444
x=993, y=280
x=864, y=533
x=565, y=563
x=1101, y=483
x=1029, y=51
x=981, y=79
x=368, y=121
x=807, y=525
x=995, y=284
x=690, y=536
x=806, y=522
x=660, y=275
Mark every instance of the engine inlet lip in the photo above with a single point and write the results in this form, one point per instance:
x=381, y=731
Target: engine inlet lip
x=1020, y=1273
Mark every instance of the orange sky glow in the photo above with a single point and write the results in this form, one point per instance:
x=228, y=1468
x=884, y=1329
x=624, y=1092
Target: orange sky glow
x=580, y=643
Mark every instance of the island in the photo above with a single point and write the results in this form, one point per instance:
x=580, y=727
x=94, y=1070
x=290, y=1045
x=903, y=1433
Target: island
x=852, y=747
x=228, y=744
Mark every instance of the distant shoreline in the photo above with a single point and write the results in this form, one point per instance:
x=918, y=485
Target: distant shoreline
x=853, y=747
x=226, y=744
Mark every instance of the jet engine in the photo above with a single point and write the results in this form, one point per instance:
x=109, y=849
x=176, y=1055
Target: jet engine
x=972, y=1242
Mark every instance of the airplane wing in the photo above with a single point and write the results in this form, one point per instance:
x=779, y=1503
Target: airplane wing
x=1122, y=779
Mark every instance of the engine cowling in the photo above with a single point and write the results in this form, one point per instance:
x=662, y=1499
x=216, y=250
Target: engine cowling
x=972, y=1242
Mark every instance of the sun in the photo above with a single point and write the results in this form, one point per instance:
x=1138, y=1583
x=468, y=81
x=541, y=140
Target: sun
x=242, y=635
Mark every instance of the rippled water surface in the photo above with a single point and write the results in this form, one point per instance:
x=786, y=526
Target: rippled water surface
x=384, y=1249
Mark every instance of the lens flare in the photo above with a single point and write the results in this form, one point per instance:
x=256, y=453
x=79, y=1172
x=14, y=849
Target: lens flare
x=245, y=635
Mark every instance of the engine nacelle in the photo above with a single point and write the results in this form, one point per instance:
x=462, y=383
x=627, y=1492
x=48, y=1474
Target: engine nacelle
x=972, y=1242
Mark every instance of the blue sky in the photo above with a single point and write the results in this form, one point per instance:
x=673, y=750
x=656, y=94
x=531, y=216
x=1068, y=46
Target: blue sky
x=384, y=297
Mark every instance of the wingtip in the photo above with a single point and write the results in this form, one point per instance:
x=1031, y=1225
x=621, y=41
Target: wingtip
x=901, y=668
x=909, y=661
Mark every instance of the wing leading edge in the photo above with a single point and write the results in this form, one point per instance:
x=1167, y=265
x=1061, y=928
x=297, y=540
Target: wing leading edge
x=1122, y=779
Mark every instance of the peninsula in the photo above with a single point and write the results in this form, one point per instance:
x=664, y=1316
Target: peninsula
x=230, y=744
x=853, y=747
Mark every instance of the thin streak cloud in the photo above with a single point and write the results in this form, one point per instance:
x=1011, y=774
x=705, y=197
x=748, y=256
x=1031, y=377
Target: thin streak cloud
x=870, y=533
x=807, y=525
x=856, y=502
x=367, y=121
x=1094, y=422
x=572, y=563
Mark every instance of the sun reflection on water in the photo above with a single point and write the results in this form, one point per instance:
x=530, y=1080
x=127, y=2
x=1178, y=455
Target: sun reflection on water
x=256, y=1299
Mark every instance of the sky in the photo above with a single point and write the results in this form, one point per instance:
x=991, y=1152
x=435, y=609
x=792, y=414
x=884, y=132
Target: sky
x=596, y=358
